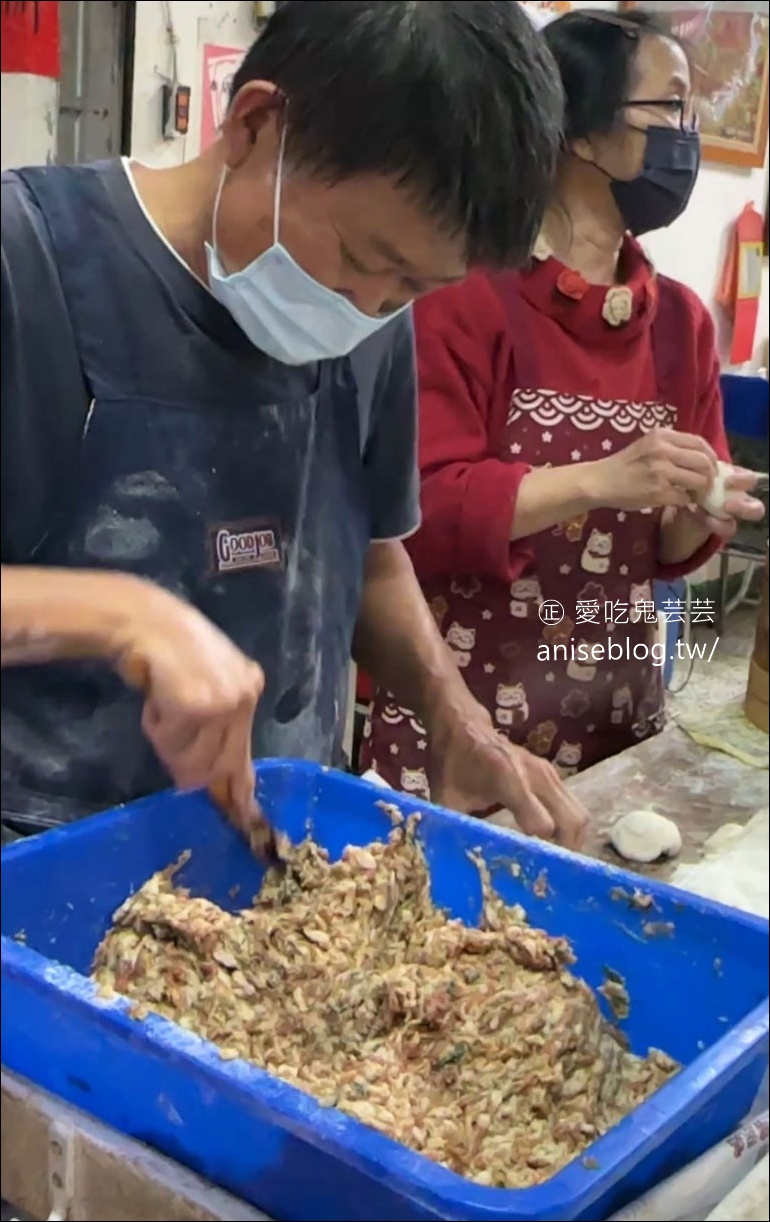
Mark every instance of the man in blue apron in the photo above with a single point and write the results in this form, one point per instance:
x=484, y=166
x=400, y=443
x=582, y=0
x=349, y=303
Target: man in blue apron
x=208, y=417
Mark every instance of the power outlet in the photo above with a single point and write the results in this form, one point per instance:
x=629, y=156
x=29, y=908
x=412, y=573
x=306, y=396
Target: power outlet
x=175, y=113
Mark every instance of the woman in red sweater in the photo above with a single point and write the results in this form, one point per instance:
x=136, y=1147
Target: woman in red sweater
x=570, y=414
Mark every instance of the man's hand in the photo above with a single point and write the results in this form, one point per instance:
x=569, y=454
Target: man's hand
x=200, y=690
x=472, y=769
x=200, y=693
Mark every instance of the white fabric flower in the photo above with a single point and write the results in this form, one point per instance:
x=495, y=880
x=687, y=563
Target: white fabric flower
x=618, y=305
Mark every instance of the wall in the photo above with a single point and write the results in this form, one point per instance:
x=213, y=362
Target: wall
x=28, y=112
x=691, y=250
x=194, y=24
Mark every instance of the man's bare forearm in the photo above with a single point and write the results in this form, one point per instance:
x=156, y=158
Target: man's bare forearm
x=397, y=641
x=61, y=613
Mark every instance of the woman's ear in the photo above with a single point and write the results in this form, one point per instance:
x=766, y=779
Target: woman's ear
x=583, y=149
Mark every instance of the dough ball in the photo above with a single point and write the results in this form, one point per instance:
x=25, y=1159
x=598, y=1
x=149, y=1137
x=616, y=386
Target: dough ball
x=713, y=501
x=644, y=836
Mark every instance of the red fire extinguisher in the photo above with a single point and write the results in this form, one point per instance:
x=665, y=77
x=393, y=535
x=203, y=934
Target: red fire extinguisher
x=740, y=284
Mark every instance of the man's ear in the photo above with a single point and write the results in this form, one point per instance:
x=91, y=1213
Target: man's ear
x=254, y=109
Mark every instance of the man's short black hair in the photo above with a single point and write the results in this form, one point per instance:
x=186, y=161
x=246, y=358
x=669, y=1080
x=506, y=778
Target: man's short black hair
x=460, y=102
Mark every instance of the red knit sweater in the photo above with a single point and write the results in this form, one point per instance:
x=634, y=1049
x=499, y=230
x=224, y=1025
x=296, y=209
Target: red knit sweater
x=467, y=359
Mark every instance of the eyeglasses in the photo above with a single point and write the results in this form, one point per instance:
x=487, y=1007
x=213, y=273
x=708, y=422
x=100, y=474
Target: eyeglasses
x=688, y=119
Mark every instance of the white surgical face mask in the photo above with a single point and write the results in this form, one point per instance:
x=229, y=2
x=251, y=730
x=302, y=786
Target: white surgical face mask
x=283, y=310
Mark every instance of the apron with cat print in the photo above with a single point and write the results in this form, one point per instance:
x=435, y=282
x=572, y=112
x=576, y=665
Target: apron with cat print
x=566, y=659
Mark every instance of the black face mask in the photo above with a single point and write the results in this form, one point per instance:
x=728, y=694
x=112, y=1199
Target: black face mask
x=660, y=194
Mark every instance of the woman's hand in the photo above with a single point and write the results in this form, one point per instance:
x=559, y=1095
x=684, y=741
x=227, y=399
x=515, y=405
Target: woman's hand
x=201, y=694
x=740, y=506
x=663, y=468
x=684, y=531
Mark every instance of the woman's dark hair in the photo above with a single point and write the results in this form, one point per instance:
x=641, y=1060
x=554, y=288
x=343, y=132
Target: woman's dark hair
x=595, y=53
x=461, y=102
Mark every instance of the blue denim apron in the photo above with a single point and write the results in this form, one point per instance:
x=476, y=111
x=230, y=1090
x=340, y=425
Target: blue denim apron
x=249, y=503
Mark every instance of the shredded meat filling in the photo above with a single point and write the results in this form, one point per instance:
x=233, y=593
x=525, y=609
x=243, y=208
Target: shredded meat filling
x=476, y=1047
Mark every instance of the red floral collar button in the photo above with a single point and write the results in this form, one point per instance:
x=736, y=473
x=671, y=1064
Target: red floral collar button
x=571, y=284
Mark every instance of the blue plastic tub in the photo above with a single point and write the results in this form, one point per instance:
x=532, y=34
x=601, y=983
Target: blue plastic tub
x=699, y=993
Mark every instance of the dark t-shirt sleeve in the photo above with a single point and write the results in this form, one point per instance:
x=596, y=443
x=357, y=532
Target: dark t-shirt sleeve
x=44, y=404
x=390, y=454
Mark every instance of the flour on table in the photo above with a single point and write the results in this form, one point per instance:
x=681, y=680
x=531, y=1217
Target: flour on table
x=734, y=869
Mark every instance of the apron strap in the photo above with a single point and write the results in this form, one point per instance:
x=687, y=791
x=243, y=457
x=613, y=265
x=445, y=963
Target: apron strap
x=666, y=330
x=519, y=321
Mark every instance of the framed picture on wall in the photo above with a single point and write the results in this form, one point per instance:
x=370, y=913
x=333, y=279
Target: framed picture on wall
x=728, y=45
